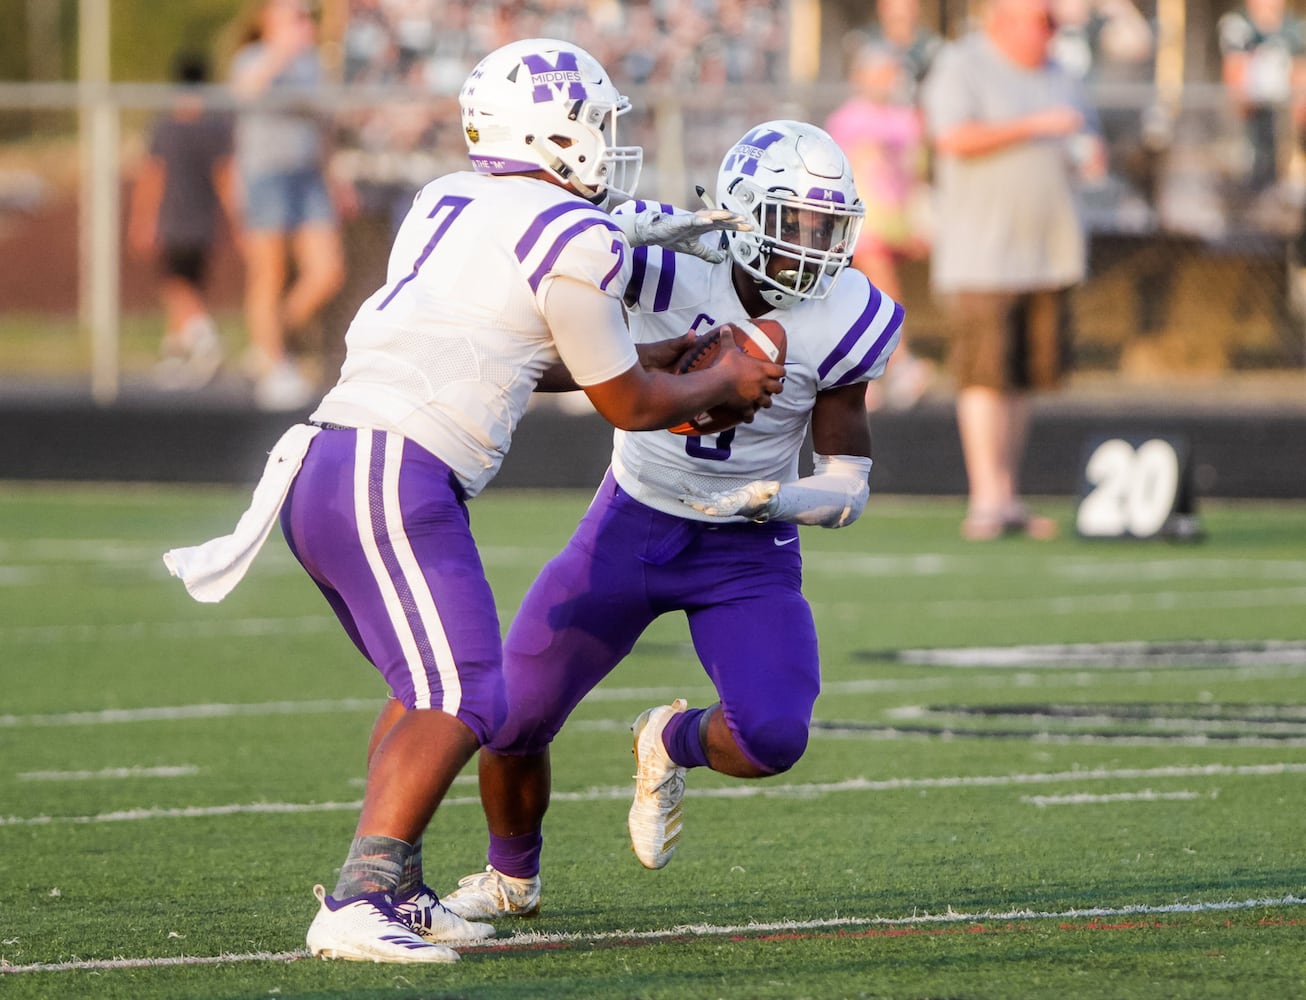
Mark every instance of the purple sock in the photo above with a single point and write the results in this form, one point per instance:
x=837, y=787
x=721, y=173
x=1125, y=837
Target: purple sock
x=519, y=856
x=682, y=739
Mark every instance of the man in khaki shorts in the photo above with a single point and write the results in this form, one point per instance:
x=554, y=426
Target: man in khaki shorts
x=1012, y=134
x=1011, y=341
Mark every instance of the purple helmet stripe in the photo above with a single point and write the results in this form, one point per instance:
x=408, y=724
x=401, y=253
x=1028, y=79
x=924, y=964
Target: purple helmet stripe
x=498, y=165
x=826, y=194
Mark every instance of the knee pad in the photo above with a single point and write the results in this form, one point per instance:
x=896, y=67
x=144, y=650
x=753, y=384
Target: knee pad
x=774, y=746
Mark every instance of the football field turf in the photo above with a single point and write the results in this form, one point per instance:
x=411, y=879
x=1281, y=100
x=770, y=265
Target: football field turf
x=1061, y=769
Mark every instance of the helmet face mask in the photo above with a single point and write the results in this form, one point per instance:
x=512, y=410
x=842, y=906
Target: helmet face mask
x=543, y=104
x=795, y=183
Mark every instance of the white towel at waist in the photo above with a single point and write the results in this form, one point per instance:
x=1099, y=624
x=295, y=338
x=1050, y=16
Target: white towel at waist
x=211, y=570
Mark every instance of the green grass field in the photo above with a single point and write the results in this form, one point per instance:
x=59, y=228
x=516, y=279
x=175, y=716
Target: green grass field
x=1063, y=769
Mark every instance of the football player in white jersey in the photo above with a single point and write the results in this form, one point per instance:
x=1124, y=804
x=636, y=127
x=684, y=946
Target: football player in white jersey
x=495, y=276
x=704, y=525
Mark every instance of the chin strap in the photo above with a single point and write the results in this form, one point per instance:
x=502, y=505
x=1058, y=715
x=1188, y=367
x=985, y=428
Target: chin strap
x=832, y=497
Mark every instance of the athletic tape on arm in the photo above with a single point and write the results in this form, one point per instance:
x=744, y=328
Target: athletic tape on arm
x=834, y=496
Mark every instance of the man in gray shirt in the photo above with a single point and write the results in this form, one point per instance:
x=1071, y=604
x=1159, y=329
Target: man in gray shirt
x=1012, y=133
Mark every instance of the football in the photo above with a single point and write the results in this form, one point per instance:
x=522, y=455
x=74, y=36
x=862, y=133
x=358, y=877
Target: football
x=764, y=339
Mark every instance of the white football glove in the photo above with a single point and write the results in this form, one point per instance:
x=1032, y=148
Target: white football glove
x=682, y=233
x=756, y=501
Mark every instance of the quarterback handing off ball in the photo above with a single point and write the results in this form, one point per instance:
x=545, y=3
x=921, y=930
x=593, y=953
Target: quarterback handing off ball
x=763, y=339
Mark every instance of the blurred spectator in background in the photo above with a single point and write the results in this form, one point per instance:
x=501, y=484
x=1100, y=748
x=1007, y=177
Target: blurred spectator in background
x=289, y=212
x=1012, y=136
x=394, y=146
x=1101, y=40
x=1108, y=45
x=644, y=60
x=655, y=41
x=898, y=24
x=184, y=184
x=881, y=130
x=1263, y=70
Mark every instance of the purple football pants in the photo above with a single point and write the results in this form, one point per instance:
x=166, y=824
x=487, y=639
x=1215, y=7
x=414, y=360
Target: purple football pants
x=739, y=585
x=381, y=526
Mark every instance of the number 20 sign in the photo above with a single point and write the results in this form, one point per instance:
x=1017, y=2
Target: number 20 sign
x=1136, y=488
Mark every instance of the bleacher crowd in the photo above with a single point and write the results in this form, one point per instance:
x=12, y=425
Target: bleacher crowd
x=433, y=44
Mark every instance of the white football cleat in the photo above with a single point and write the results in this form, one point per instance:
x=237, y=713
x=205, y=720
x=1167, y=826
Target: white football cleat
x=367, y=929
x=656, y=815
x=426, y=913
x=491, y=894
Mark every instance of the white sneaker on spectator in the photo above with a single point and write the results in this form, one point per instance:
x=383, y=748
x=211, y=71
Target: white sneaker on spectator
x=908, y=379
x=283, y=388
x=192, y=358
x=204, y=351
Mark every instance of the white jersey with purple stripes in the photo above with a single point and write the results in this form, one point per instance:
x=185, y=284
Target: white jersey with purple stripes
x=448, y=351
x=844, y=338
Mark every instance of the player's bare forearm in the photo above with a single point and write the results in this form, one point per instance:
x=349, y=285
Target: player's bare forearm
x=839, y=422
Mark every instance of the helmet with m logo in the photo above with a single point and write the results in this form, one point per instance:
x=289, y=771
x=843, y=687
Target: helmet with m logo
x=544, y=104
x=796, y=184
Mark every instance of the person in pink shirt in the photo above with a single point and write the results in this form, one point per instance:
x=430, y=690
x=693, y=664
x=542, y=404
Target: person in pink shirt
x=881, y=130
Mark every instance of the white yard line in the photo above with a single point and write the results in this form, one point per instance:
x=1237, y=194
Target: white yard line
x=1181, y=569
x=530, y=939
x=1024, y=680
x=183, y=631
x=181, y=771
x=1158, y=601
x=170, y=713
x=127, y=552
x=1103, y=655
x=740, y=791
x=1084, y=799
x=462, y=779
x=1046, y=738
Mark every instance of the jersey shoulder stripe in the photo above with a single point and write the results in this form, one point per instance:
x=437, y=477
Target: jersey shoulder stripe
x=666, y=282
x=638, y=271
x=559, y=244
x=661, y=260
x=878, y=323
x=876, y=353
x=541, y=222
x=663, y=263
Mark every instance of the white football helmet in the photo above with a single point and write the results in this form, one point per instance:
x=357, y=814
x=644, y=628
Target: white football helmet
x=796, y=184
x=547, y=104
